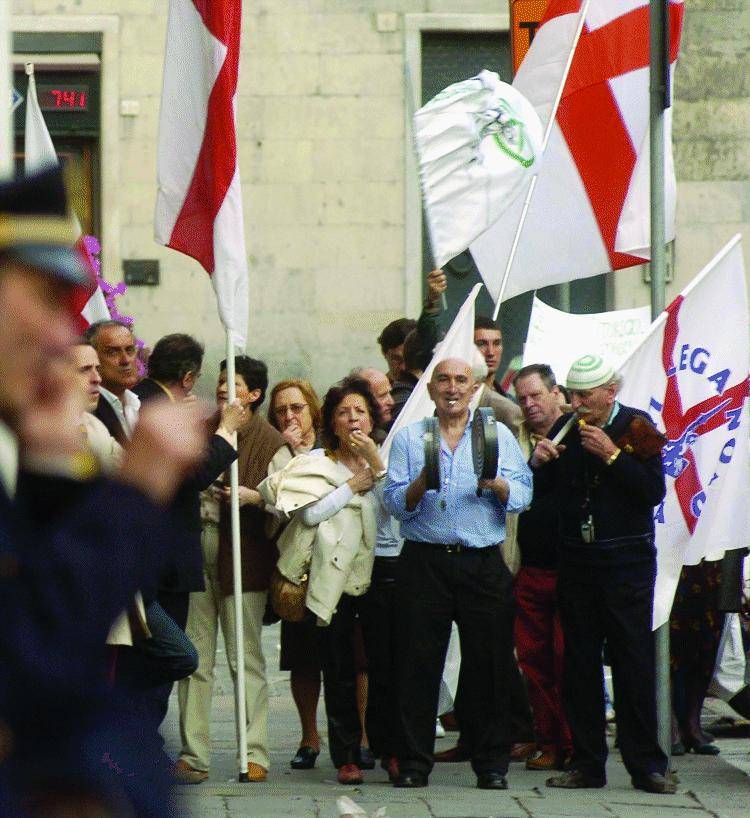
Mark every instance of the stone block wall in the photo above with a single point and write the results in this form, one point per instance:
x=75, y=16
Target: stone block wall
x=322, y=153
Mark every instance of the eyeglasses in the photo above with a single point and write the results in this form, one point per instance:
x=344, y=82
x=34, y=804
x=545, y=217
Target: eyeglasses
x=294, y=408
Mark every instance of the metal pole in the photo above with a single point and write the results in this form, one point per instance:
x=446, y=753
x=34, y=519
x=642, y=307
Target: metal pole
x=659, y=100
x=6, y=86
x=239, y=625
x=547, y=134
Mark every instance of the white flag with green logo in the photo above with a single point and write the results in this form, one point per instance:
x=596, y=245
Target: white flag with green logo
x=479, y=143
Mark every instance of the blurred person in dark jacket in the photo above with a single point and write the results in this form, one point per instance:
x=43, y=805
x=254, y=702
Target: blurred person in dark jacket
x=74, y=547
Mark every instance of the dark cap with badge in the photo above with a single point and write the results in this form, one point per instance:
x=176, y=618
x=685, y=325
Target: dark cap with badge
x=37, y=229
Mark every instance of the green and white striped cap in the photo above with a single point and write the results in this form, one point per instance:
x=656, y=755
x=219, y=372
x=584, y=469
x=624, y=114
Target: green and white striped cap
x=589, y=372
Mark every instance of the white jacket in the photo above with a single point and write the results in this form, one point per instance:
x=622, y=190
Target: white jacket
x=337, y=555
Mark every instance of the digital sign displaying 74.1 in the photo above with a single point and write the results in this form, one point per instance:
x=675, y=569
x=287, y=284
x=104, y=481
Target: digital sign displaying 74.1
x=63, y=97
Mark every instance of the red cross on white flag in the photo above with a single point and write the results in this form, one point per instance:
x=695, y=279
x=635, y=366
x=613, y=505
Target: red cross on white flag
x=691, y=375
x=590, y=210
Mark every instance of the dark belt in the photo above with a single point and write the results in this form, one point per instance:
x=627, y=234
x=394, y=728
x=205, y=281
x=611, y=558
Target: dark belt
x=454, y=548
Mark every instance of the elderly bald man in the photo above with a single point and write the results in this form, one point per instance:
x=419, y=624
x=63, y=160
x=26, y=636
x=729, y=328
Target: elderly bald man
x=451, y=569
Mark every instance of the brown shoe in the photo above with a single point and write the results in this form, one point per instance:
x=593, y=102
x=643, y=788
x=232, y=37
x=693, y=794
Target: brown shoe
x=576, y=780
x=255, y=772
x=183, y=773
x=547, y=759
x=522, y=751
x=453, y=756
x=349, y=774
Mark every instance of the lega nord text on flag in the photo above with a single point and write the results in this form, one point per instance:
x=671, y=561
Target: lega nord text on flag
x=691, y=375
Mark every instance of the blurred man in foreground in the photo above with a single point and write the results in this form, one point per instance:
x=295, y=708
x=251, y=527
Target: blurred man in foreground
x=73, y=548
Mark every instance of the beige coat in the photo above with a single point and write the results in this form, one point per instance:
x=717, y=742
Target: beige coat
x=337, y=555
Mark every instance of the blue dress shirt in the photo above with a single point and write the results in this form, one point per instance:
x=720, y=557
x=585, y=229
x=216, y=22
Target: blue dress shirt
x=455, y=514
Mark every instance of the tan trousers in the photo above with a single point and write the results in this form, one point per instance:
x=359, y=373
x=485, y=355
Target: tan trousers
x=207, y=610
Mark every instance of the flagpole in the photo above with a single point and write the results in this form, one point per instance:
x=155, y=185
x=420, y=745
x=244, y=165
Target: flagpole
x=659, y=96
x=239, y=625
x=547, y=135
x=6, y=86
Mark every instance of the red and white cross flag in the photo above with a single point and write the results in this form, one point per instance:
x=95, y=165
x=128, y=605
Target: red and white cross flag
x=199, y=202
x=691, y=375
x=589, y=213
x=39, y=153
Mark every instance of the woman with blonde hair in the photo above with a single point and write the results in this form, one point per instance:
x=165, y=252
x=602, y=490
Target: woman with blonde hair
x=294, y=409
x=330, y=543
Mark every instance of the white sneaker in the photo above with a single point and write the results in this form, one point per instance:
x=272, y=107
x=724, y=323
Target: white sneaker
x=439, y=730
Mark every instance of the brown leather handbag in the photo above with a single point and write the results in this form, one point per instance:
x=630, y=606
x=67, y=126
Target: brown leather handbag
x=288, y=598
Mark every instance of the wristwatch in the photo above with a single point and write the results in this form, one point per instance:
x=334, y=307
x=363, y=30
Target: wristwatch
x=379, y=475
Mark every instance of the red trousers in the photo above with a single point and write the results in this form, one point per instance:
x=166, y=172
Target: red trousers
x=539, y=645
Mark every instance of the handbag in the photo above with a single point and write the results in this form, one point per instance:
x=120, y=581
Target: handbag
x=287, y=597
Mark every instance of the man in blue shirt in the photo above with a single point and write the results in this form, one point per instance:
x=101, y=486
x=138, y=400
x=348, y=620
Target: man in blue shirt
x=451, y=569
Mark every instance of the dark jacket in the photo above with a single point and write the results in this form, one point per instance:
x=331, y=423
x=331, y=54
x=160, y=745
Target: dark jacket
x=108, y=417
x=186, y=571
x=73, y=555
x=620, y=497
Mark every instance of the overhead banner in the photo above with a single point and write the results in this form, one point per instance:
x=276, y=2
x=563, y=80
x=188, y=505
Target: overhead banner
x=558, y=338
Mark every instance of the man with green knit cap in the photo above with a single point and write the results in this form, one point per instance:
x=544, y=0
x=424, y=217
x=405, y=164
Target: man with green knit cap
x=606, y=474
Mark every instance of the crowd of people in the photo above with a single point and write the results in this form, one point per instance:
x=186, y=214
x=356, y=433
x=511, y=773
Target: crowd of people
x=117, y=568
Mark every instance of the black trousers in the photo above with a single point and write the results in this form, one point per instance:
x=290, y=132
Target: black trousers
x=381, y=620
x=598, y=604
x=473, y=588
x=519, y=711
x=336, y=651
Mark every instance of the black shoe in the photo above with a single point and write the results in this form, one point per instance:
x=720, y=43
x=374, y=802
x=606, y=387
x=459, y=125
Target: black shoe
x=576, y=780
x=491, y=781
x=305, y=758
x=678, y=748
x=655, y=783
x=411, y=780
x=702, y=748
x=366, y=759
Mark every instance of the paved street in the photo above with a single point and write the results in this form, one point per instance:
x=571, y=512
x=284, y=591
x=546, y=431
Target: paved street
x=717, y=787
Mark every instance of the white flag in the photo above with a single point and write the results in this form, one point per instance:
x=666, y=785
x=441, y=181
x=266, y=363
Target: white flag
x=199, y=202
x=589, y=212
x=691, y=375
x=479, y=142
x=39, y=153
x=458, y=343
x=557, y=338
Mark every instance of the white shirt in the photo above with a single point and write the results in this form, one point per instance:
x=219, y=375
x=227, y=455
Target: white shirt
x=126, y=409
x=8, y=459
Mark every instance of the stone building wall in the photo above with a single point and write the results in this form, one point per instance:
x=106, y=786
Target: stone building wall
x=323, y=151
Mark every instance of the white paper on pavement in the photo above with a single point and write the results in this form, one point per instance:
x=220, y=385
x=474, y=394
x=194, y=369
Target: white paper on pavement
x=558, y=338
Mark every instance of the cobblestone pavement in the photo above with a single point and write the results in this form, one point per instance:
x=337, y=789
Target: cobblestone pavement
x=709, y=786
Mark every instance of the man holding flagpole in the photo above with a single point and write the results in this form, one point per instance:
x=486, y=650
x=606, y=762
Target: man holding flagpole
x=199, y=201
x=606, y=475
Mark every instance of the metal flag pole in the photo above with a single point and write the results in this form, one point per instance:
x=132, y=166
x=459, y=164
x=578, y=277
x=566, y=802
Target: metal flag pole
x=547, y=134
x=6, y=93
x=660, y=101
x=239, y=625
